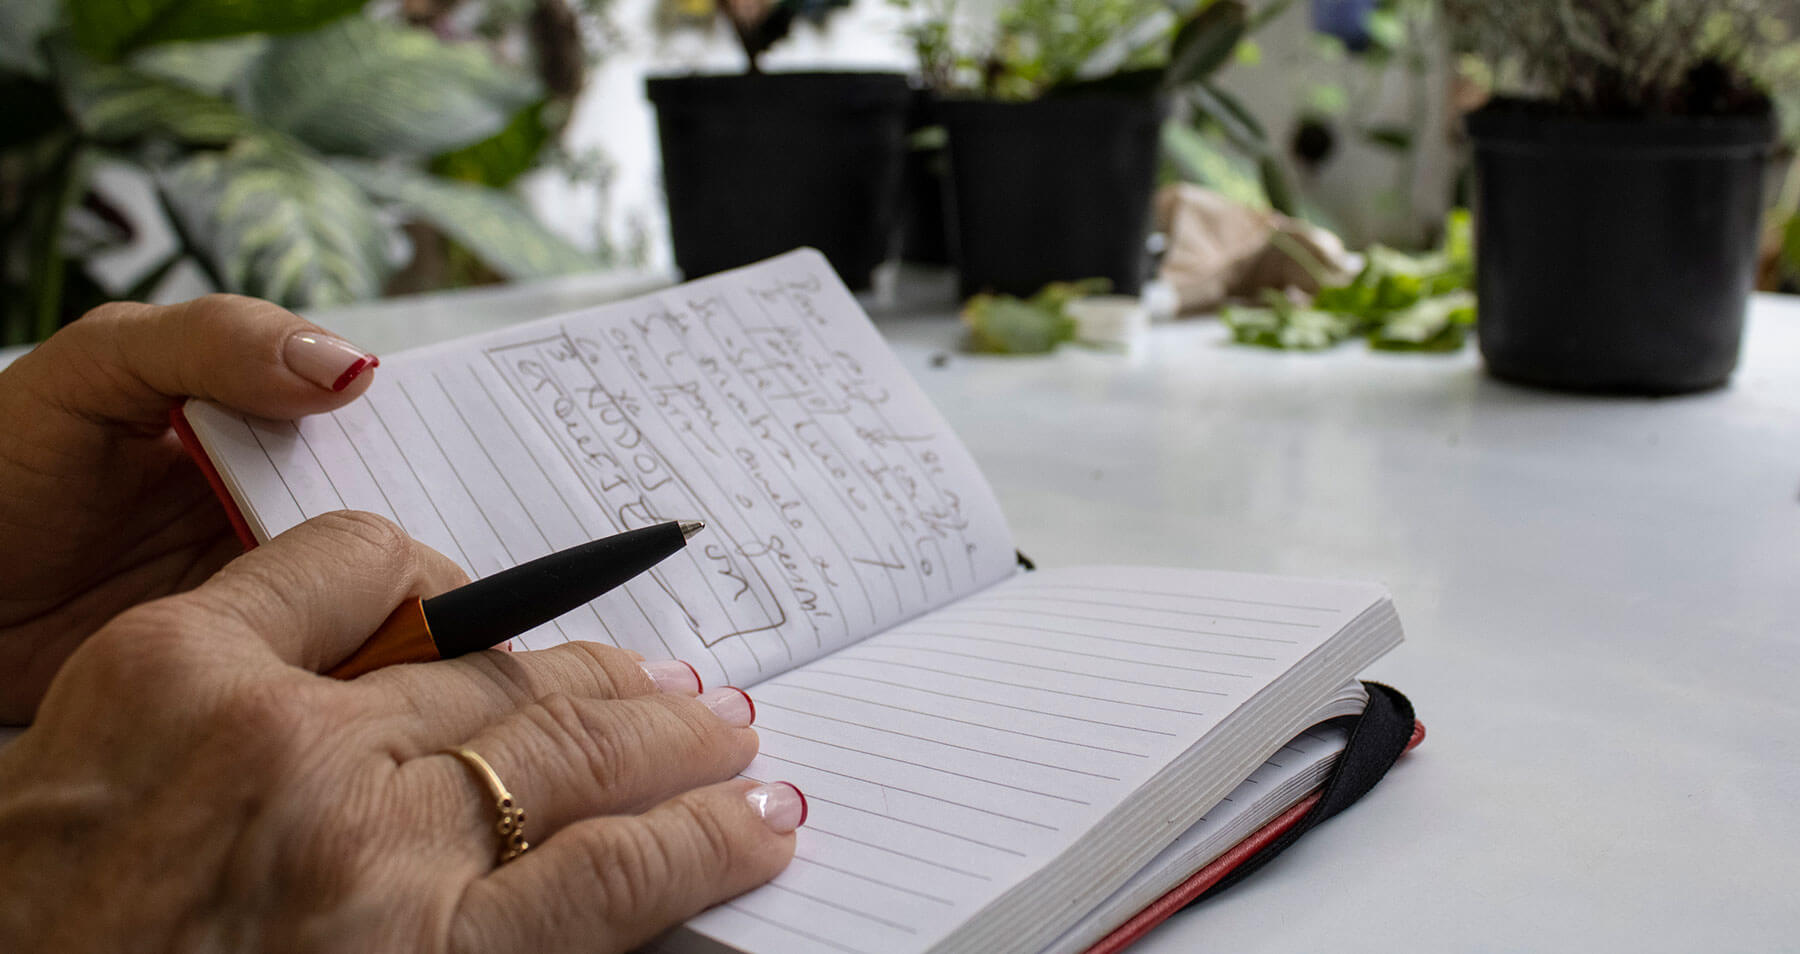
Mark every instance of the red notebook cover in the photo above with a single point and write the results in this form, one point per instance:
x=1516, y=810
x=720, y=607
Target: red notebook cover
x=1184, y=893
x=191, y=443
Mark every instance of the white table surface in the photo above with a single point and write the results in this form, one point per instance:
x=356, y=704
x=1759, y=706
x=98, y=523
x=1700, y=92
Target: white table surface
x=1601, y=598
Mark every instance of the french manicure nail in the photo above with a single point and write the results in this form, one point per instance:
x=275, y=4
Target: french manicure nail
x=327, y=361
x=781, y=805
x=731, y=704
x=672, y=675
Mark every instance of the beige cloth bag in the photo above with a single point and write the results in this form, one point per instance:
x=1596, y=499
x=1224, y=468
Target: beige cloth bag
x=1219, y=249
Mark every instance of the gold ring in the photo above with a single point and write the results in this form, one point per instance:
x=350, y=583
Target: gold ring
x=511, y=825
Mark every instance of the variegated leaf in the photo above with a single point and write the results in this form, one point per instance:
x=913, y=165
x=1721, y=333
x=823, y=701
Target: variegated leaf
x=493, y=224
x=107, y=28
x=274, y=222
x=362, y=88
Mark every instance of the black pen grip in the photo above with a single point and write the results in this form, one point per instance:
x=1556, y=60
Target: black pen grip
x=496, y=608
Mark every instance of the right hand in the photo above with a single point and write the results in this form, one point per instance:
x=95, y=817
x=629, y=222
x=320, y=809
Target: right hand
x=191, y=783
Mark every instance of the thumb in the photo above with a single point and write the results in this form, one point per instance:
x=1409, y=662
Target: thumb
x=126, y=363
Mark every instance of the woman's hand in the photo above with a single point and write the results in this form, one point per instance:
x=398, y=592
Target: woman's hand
x=99, y=508
x=190, y=784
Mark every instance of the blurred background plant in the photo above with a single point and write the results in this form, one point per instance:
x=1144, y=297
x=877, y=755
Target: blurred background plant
x=1635, y=57
x=1034, y=49
x=305, y=152
x=757, y=24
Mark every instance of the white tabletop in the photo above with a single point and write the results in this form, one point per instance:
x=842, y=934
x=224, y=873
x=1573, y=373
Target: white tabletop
x=1600, y=597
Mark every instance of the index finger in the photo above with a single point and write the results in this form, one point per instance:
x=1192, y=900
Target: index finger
x=316, y=592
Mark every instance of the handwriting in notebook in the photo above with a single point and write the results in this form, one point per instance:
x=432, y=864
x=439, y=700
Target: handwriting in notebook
x=836, y=501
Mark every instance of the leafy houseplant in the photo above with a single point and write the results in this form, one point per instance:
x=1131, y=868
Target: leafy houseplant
x=758, y=163
x=1054, y=129
x=287, y=143
x=1620, y=184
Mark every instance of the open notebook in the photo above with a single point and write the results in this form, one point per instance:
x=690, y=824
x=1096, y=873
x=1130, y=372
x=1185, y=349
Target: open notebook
x=990, y=756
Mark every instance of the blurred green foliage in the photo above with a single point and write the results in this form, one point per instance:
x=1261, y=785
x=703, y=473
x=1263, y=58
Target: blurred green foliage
x=1398, y=302
x=288, y=144
x=1003, y=324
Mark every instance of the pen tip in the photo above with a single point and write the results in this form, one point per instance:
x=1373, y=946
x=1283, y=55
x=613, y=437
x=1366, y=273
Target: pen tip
x=691, y=527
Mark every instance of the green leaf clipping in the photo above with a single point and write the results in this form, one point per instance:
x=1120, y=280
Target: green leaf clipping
x=1398, y=302
x=363, y=88
x=496, y=226
x=273, y=222
x=108, y=28
x=1003, y=324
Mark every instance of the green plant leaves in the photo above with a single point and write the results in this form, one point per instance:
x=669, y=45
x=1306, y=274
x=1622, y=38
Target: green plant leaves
x=115, y=105
x=362, y=88
x=107, y=28
x=268, y=220
x=502, y=157
x=494, y=225
x=1205, y=42
x=23, y=25
x=1398, y=302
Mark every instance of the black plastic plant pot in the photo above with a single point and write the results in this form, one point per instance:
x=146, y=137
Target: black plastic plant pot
x=1616, y=255
x=755, y=165
x=1051, y=190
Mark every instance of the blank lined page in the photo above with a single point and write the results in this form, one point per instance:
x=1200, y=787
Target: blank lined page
x=762, y=401
x=947, y=758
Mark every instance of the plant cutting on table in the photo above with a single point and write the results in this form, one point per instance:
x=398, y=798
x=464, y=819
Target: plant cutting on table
x=1398, y=302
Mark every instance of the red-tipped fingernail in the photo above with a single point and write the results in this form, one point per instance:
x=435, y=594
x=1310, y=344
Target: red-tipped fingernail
x=730, y=704
x=672, y=675
x=781, y=805
x=327, y=361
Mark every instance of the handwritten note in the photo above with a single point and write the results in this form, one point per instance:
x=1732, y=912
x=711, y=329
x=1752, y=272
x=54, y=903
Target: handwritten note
x=761, y=401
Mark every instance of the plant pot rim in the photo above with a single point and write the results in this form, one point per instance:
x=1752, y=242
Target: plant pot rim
x=798, y=91
x=1154, y=107
x=1513, y=125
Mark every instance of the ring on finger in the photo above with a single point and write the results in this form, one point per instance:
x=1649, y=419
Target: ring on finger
x=510, y=825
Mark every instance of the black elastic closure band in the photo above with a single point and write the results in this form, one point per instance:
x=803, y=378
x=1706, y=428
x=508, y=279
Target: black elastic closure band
x=1378, y=737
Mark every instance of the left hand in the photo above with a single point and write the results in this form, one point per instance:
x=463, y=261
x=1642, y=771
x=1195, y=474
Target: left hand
x=100, y=509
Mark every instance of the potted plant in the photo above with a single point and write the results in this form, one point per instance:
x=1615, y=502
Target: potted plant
x=1620, y=184
x=1054, y=131
x=757, y=163
x=291, y=149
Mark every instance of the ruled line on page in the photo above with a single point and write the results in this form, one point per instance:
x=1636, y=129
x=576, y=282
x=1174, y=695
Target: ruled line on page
x=1068, y=672
x=766, y=704
x=1032, y=628
x=929, y=768
x=1026, y=598
x=1064, y=651
x=969, y=722
x=1195, y=596
x=852, y=656
x=950, y=695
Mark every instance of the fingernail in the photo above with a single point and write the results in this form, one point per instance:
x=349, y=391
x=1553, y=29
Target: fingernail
x=730, y=704
x=672, y=675
x=781, y=805
x=327, y=361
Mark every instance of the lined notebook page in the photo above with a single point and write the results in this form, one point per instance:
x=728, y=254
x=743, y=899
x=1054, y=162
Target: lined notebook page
x=762, y=401
x=947, y=758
